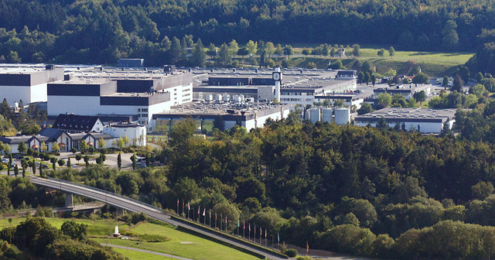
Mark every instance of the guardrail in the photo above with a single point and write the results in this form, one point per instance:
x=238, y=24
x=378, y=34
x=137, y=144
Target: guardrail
x=104, y=191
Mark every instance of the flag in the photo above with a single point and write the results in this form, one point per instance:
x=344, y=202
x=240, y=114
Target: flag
x=225, y=219
x=265, y=233
x=199, y=210
x=215, y=217
x=278, y=237
x=238, y=223
x=182, y=204
x=307, y=247
x=188, y=207
x=249, y=227
x=244, y=225
x=374, y=67
x=210, y=215
x=177, y=202
x=254, y=229
x=204, y=212
x=261, y=231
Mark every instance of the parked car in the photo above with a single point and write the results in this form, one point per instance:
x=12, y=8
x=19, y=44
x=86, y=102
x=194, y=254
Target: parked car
x=18, y=156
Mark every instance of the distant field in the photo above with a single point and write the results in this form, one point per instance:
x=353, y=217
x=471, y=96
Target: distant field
x=199, y=249
x=432, y=63
x=134, y=255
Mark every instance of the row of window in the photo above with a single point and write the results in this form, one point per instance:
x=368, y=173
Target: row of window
x=142, y=110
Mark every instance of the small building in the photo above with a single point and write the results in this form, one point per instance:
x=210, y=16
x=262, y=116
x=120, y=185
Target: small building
x=346, y=74
x=423, y=120
x=130, y=63
x=135, y=132
x=407, y=91
x=76, y=123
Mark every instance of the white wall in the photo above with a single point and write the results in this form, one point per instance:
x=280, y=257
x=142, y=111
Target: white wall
x=38, y=93
x=15, y=93
x=425, y=127
x=130, y=132
x=70, y=104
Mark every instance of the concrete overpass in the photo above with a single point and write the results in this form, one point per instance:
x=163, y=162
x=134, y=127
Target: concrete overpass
x=124, y=203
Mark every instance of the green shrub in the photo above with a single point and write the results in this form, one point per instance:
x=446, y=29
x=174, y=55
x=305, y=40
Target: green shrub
x=291, y=252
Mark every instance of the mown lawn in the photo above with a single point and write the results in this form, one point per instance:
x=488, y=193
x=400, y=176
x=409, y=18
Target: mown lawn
x=199, y=249
x=134, y=255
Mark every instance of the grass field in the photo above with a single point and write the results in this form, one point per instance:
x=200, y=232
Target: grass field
x=199, y=249
x=134, y=255
x=432, y=63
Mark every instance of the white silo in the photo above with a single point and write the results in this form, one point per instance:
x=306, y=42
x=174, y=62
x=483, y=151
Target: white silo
x=327, y=115
x=342, y=116
x=241, y=97
x=226, y=98
x=307, y=115
x=218, y=97
x=314, y=115
x=209, y=97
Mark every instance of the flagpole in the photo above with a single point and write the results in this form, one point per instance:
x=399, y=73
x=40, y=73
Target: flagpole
x=178, y=213
x=221, y=218
x=210, y=217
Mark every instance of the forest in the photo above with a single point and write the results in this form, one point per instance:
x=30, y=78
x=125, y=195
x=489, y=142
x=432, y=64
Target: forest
x=103, y=31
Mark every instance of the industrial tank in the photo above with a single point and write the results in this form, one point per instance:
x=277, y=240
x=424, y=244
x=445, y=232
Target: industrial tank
x=327, y=115
x=226, y=98
x=218, y=97
x=209, y=97
x=342, y=116
x=314, y=115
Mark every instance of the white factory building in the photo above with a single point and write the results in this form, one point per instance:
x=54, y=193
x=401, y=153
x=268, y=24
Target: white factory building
x=249, y=116
x=113, y=92
x=27, y=82
x=423, y=120
x=407, y=91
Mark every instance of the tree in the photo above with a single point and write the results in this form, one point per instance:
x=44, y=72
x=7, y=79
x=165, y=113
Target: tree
x=55, y=147
x=243, y=52
x=252, y=47
x=126, y=140
x=445, y=82
x=279, y=51
x=120, y=143
x=73, y=230
x=306, y=52
x=311, y=65
x=482, y=190
x=13, y=57
x=7, y=148
x=420, y=96
x=133, y=159
x=219, y=123
x=78, y=157
x=212, y=50
x=119, y=161
x=479, y=77
x=22, y=147
x=86, y=160
x=382, y=123
x=34, y=166
x=198, y=55
x=458, y=83
x=356, y=50
x=336, y=65
x=288, y=50
x=385, y=99
x=83, y=146
x=175, y=50
x=16, y=170
x=68, y=163
x=365, y=109
x=421, y=78
x=61, y=162
x=270, y=49
x=450, y=38
x=233, y=48
x=391, y=51
x=381, y=52
x=101, y=143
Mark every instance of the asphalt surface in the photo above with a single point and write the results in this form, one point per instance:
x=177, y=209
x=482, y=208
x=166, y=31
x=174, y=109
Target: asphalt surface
x=136, y=206
x=146, y=251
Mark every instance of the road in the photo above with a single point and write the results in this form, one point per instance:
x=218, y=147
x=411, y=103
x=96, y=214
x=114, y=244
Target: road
x=137, y=206
x=146, y=251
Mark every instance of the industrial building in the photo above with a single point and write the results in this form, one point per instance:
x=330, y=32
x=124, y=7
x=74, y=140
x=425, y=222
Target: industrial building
x=423, y=120
x=297, y=87
x=119, y=92
x=247, y=115
x=407, y=91
x=349, y=99
x=76, y=124
x=27, y=82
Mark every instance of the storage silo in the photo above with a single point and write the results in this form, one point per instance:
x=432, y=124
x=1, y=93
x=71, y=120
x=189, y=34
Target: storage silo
x=342, y=116
x=327, y=115
x=226, y=98
x=218, y=97
x=209, y=97
x=314, y=115
x=307, y=116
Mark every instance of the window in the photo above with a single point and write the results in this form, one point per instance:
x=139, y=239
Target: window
x=139, y=109
x=144, y=110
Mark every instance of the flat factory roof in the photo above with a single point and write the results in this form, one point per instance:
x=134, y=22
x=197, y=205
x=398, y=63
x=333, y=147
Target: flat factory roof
x=409, y=114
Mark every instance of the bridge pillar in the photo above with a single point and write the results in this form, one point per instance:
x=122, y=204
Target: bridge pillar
x=120, y=212
x=69, y=200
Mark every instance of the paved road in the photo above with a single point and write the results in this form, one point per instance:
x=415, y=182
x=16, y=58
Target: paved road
x=136, y=206
x=145, y=251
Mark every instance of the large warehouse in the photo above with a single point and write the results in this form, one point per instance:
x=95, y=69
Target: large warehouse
x=141, y=93
x=27, y=82
x=423, y=120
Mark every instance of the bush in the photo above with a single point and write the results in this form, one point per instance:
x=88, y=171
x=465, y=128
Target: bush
x=291, y=252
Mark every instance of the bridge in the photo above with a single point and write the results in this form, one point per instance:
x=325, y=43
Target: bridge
x=125, y=203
